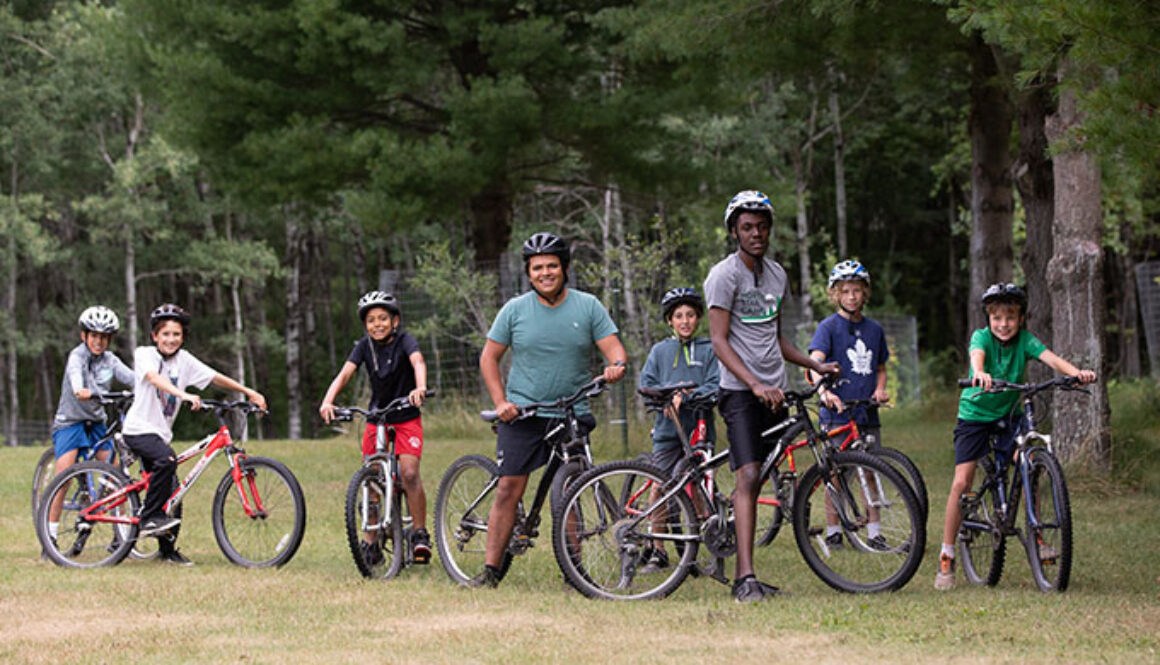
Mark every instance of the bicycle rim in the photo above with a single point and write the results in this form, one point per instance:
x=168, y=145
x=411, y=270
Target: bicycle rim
x=906, y=466
x=264, y=538
x=41, y=477
x=1049, y=547
x=610, y=524
x=81, y=543
x=863, y=490
x=462, y=507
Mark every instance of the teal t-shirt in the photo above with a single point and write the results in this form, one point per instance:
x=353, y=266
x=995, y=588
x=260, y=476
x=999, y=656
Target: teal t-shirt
x=1008, y=363
x=551, y=347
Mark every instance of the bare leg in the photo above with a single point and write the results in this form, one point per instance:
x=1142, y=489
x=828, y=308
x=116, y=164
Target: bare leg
x=502, y=519
x=745, y=516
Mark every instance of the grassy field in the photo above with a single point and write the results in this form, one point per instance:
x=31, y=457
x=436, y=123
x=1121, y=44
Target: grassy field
x=317, y=609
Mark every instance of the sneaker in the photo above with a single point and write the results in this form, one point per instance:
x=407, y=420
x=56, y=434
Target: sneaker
x=749, y=590
x=944, y=580
x=157, y=525
x=175, y=558
x=488, y=579
x=421, y=546
x=372, y=554
x=1047, y=553
x=834, y=541
x=878, y=543
x=655, y=561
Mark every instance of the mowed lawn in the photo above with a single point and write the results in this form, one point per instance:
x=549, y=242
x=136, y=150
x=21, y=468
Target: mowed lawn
x=318, y=609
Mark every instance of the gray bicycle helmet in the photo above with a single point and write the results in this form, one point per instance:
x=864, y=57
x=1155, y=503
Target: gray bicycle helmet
x=372, y=299
x=749, y=200
x=168, y=312
x=682, y=295
x=99, y=319
x=546, y=243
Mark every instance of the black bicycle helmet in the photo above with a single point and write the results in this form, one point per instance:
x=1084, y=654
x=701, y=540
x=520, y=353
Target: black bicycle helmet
x=1008, y=294
x=546, y=243
x=99, y=319
x=682, y=295
x=168, y=312
x=382, y=299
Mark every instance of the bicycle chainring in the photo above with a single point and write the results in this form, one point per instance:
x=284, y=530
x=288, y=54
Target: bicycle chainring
x=720, y=537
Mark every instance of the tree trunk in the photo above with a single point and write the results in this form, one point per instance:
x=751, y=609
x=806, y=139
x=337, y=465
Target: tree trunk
x=992, y=201
x=801, y=187
x=1128, y=312
x=131, y=287
x=1036, y=184
x=1075, y=276
x=839, y=166
x=491, y=212
x=293, y=327
x=11, y=383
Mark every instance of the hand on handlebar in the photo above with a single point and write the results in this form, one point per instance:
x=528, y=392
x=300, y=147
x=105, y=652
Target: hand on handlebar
x=417, y=396
x=770, y=396
x=982, y=380
x=832, y=401
x=326, y=410
x=194, y=401
x=1086, y=376
x=614, y=372
x=507, y=411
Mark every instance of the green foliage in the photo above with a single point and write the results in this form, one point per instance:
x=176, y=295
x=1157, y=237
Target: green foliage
x=463, y=298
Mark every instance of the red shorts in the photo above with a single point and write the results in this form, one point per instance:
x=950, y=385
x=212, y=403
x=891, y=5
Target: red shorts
x=408, y=438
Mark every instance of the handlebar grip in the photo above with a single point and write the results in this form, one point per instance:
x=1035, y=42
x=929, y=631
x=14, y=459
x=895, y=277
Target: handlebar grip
x=966, y=383
x=489, y=416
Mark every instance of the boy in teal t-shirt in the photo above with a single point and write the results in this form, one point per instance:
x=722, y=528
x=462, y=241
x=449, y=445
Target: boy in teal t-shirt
x=999, y=351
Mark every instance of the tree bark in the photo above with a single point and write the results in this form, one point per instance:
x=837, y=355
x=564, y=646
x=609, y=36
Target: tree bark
x=839, y=165
x=1075, y=276
x=293, y=327
x=1128, y=312
x=491, y=230
x=131, y=286
x=992, y=201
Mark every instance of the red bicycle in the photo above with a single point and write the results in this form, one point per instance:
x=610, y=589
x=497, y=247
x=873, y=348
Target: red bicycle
x=258, y=514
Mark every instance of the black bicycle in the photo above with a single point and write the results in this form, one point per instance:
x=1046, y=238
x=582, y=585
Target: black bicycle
x=378, y=518
x=617, y=514
x=467, y=490
x=990, y=508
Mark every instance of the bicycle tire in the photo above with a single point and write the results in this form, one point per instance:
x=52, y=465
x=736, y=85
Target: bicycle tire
x=563, y=478
x=909, y=470
x=41, y=476
x=601, y=544
x=81, y=543
x=268, y=539
x=981, y=542
x=1049, y=548
x=381, y=558
x=462, y=507
x=861, y=484
x=778, y=488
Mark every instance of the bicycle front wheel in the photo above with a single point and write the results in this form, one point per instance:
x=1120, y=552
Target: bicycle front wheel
x=875, y=513
x=373, y=531
x=83, y=542
x=1048, y=535
x=259, y=520
x=981, y=543
x=42, y=476
x=909, y=470
x=616, y=537
x=462, y=507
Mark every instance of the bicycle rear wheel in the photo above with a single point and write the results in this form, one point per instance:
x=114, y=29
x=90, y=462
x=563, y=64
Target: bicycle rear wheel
x=906, y=466
x=610, y=524
x=376, y=543
x=462, y=507
x=860, y=490
x=981, y=543
x=1048, y=545
x=259, y=521
x=42, y=476
x=80, y=542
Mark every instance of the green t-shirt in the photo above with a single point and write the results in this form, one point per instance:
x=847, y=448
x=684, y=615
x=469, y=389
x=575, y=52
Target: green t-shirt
x=1008, y=363
x=551, y=347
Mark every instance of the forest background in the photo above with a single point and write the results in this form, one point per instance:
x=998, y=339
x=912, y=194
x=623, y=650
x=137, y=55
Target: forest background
x=264, y=163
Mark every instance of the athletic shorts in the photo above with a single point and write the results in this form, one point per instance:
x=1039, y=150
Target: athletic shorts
x=78, y=436
x=666, y=458
x=520, y=448
x=745, y=419
x=408, y=438
x=973, y=438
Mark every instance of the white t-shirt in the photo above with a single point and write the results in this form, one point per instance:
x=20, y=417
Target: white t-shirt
x=153, y=410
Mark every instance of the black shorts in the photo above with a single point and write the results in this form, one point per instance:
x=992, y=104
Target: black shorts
x=520, y=448
x=973, y=438
x=666, y=458
x=745, y=419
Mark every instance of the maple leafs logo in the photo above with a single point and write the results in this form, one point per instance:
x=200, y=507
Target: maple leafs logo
x=860, y=358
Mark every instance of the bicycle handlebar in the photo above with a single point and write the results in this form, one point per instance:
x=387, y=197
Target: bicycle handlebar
x=590, y=389
x=246, y=407
x=347, y=413
x=999, y=385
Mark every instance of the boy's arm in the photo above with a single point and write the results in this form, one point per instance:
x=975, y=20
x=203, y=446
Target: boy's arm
x=648, y=374
x=223, y=381
x=419, y=394
x=830, y=399
x=75, y=372
x=719, y=324
x=1064, y=367
x=326, y=409
x=165, y=386
x=979, y=377
x=121, y=371
x=880, y=394
x=793, y=355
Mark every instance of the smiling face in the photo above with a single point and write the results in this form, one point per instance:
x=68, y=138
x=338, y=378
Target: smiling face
x=1004, y=320
x=380, y=323
x=850, y=295
x=684, y=320
x=168, y=336
x=546, y=275
x=97, y=342
x=752, y=233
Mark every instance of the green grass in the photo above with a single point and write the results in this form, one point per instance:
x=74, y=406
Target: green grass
x=317, y=609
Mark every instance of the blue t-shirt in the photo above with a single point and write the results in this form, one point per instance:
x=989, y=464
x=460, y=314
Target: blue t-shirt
x=551, y=347
x=671, y=362
x=859, y=348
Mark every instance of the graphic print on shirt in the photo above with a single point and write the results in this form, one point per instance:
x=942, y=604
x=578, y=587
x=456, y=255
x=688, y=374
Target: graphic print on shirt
x=861, y=358
x=753, y=306
x=168, y=402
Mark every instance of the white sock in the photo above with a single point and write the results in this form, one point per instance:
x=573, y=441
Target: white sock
x=948, y=550
x=831, y=529
x=53, y=529
x=874, y=529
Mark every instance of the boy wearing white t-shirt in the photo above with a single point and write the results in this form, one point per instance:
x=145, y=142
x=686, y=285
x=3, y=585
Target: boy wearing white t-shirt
x=162, y=373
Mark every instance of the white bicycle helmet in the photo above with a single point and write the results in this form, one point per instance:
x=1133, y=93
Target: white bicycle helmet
x=373, y=299
x=848, y=270
x=749, y=200
x=99, y=319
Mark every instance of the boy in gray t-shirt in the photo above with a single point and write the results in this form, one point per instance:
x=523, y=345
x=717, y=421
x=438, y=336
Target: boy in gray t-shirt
x=744, y=293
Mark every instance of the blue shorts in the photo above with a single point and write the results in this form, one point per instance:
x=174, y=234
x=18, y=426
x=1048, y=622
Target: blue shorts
x=78, y=436
x=973, y=438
